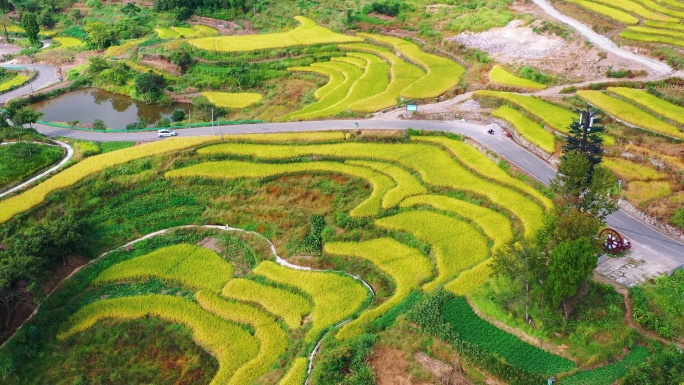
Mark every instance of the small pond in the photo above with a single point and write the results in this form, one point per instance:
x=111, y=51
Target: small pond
x=93, y=103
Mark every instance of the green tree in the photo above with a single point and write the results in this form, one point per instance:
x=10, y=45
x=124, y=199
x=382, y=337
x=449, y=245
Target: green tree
x=97, y=64
x=585, y=137
x=149, y=87
x=5, y=20
x=31, y=27
x=181, y=57
x=581, y=187
x=99, y=35
x=523, y=263
x=570, y=265
x=18, y=278
x=46, y=18
x=26, y=115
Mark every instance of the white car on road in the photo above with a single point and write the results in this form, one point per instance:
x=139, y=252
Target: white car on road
x=164, y=133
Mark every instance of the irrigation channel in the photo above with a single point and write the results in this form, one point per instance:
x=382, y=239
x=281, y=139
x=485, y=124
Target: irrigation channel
x=70, y=153
x=278, y=259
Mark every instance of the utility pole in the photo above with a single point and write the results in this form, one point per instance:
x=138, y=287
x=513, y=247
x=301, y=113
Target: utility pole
x=212, y=121
x=586, y=121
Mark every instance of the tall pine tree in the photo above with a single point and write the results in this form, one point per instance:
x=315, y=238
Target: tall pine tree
x=585, y=137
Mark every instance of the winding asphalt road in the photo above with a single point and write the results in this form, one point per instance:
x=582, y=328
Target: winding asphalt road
x=602, y=41
x=46, y=75
x=634, y=229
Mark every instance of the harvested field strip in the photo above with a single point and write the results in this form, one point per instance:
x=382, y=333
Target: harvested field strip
x=332, y=98
x=233, y=100
x=434, y=165
x=609, y=374
x=335, y=78
x=189, y=265
x=628, y=113
x=480, y=164
x=556, y=117
x=629, y=170
x=657, y=31
x=273, y=341
x=14, y=82
x=609, y=12
x=235, y=347
x=403, y=74
x=528, y=128
x=650, y=4
x=335, y=296
x=407, y=184
x=442, y=74
x=456, y=245
x=470, y=328
x=289, y=306
x=495, y=225
x=308, y=33
x=502, y=77
x=373, y=81
x=89, y=166
x=653, y=103
x=238, y=169
x=631, y=35
x=663, y=24
x=407, y=267
x=470, y=279
x=297, y=372
x=637, y=9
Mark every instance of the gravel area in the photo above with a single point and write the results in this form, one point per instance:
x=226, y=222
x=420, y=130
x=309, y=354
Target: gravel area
x=511, y=40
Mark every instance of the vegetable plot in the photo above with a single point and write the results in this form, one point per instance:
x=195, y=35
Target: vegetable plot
x=470, y=328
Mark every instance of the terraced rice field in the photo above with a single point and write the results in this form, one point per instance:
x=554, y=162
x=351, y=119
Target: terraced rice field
x=630, y=114
x=527, y=128
x=609, y=12
x=276, y=309
x=554, y=116
x=650, y=21
x=14, y=82
x=407, y=267
x=196, y=31
x=442, y=73
x=308, y=33
x=502, y=77
x=68, y=42
x=233, y=100
x=642, y=98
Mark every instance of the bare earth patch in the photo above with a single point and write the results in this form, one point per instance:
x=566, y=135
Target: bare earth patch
x=391, y=367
